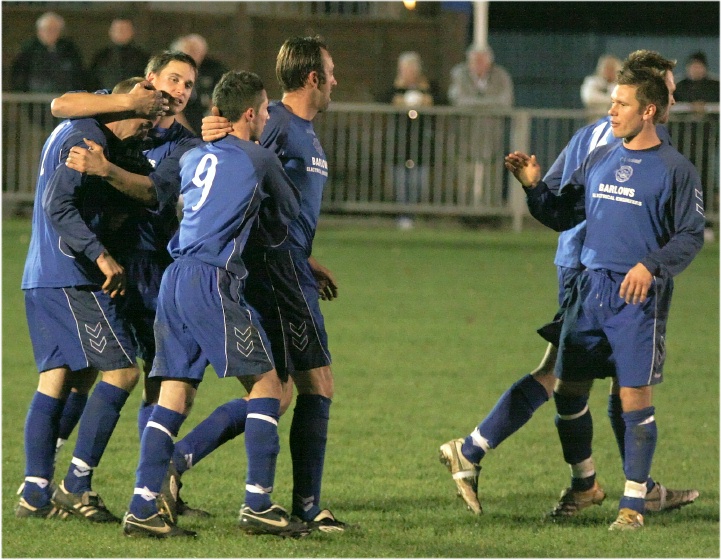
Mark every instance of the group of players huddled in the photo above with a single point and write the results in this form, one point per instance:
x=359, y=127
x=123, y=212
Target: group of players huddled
x=112, y=275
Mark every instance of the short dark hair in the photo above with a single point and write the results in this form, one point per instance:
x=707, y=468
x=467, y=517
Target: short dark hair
x=159, y=61
x=297, y=58
x=651, y=88
x=698, y=56
x=650, y=60
x=236, y=92
x=126, y=85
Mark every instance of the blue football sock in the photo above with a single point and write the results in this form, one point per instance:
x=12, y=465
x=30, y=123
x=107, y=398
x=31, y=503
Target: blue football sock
x=308, y=436
x=615, y=415
x=96, y=426
x=512, y=411
x=41, y=429
x=575, y=430
x=156, y=448
x=73, y=409
x=224, y=423
x=641, y=438
x=262, y=446
x=144, y=413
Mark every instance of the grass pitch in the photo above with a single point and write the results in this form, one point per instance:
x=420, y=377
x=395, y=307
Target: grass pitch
x=431, y=326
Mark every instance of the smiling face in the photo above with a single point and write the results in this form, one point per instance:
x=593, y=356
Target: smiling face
x=177, y=79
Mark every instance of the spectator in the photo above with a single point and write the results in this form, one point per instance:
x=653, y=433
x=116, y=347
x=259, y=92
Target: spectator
x=596, y=88
x=119, y=60
x=48, y=63
x=412, y=89
x=697, y=86
x=210, y=71
x=479, y=81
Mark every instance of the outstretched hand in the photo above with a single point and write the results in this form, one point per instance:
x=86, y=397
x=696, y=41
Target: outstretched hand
x=90, y=161
x=214, y=126
x=525, y=168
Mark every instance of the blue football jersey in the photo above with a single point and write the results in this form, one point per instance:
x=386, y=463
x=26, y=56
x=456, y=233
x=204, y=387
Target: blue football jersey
x=583, y=142
x=70, y=213
x=293, y=139
x=228, y=188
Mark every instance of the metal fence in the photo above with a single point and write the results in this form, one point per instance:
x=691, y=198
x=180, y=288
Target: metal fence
x=386, y=160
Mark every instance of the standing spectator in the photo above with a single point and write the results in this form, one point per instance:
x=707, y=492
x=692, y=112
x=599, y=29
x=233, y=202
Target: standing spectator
x=48, y=63
x=479, y=81
x=697, y=86
x=119, y=60
x=411, y=89
x=210, y=71
x=596, y=88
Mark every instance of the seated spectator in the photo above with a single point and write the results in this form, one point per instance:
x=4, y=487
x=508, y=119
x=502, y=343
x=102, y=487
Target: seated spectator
x=697, y=86
x=596, y=88
x=480, y=82
x=48, y=63
x=210, y=71
x=119, y=60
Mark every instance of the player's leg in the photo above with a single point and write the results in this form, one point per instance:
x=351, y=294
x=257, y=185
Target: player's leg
x=73, y=408
x=41, y=425
x=658, y=496
x=308, y=437
x=107, y=346
x=156, y=448
x=512, y=411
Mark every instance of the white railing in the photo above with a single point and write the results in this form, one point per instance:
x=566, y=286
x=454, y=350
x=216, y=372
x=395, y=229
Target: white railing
x=386, y=160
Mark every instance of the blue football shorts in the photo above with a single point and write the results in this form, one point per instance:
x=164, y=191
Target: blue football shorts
x=77, y=328
x=202, y=319
x=144, y=270
x=604, y=336
x=282, y=288
x=566, y=281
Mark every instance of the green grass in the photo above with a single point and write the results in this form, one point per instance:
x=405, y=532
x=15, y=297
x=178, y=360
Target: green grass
x=431, y=326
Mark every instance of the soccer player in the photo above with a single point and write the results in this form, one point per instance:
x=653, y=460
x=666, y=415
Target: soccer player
x=285, y=284
x=644, y=224
x=229, y=188
x=523, y=398
x=142, y=248
x=71, y=282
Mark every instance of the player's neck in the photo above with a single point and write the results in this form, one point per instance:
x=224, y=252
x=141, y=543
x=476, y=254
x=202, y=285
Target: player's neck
x=299, y=103
x=645, y=139
x=166, y=121
x=241, y=130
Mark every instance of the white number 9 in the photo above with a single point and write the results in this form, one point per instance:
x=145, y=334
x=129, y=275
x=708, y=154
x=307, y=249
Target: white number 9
x=206, y=182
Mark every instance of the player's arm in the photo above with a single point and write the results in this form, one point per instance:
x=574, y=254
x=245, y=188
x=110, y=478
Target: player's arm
x=142, y=100
x=685, y=211
x=60, y=205
x=560, y=212
x=92, y=161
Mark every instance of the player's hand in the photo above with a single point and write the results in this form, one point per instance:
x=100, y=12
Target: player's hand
x=214, y=126
x=636, y=284
x=91, y=161
x=327, y=286
x=114, y=275
x=147, y=101
x=524, y=168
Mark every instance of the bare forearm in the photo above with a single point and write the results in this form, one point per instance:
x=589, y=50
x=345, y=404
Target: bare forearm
x=137, y=187
x=83, y=104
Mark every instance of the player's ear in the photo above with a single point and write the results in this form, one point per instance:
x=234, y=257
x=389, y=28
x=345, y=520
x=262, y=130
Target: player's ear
x=250, y=113
x=313, y=78
x=650, y=111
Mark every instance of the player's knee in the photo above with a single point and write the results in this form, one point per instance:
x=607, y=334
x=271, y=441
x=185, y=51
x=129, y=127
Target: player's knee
x=318, y=381
x=126, y=378
x=547, y=379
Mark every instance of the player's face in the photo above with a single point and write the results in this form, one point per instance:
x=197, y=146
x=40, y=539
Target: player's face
x=257, y=123
x=671, y=85
x=626, y=112
x=133, y=128
x=324, y=90
x=176, y=79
